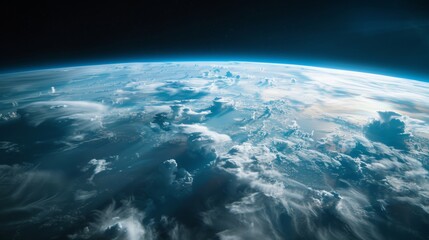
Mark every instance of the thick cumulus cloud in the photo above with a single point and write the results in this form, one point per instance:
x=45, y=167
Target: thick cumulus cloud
x=389, y=129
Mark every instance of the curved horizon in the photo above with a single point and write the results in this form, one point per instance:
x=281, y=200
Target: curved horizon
x=282, y=61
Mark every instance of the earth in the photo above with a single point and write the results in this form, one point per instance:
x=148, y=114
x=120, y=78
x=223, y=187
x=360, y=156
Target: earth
x=212, y=150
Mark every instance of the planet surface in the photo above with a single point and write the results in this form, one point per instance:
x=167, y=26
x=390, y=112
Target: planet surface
x=212, y=150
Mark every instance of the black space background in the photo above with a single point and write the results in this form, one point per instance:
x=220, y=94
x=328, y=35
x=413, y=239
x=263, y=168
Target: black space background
x=390, y=36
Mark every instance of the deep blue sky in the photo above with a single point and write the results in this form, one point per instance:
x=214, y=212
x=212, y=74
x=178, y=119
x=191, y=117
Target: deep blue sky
x=387, y=36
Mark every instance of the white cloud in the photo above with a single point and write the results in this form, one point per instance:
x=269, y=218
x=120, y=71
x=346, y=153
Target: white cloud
x=99, y=166
x=204, y=133
x=123, y=222
x=82, y=195
x=39, y=112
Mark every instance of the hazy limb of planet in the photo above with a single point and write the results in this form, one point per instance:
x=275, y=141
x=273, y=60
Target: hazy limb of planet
x=212, y=150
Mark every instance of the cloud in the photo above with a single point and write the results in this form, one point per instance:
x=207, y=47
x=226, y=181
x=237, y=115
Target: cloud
x=44, y=126
x=193, y=146
x=202, y=133
x=191, y=116
x=180, y=90
x=27, y=191
x=389, y=129
x=220, y=106
x=178, y=179
x=82, y=195
x=123, y=222
x=394, y=177
x=99, y=166
x=278, y=204
x=8, y=147
x=39, y=112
